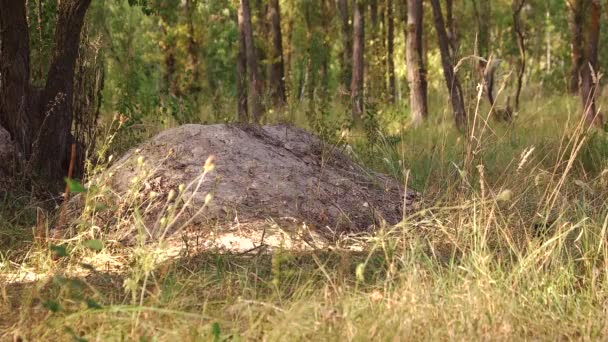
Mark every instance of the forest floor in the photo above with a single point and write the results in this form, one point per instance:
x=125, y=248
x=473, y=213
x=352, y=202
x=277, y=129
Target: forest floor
x=513, y=245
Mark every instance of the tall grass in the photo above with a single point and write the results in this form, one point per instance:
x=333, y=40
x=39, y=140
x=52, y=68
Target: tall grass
x=512, y=244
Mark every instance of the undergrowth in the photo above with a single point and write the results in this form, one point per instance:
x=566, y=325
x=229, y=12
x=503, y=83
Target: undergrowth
x=512, y=244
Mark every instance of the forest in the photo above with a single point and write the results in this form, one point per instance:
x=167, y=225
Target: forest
x=303, y=170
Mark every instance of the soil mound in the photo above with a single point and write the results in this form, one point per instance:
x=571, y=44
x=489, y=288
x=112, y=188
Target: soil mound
x=259, y=173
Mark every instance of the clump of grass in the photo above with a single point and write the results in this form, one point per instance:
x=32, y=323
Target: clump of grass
x=512, y=244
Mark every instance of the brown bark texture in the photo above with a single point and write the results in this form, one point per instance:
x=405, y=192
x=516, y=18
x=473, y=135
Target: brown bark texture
x=416, y=74
x=358, y=60
x=277, y=70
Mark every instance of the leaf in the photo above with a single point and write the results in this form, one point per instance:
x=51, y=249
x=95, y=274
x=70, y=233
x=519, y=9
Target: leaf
x=59, y=251
x=52, y=306
x=95, y=245
x=215, y=331
x=91, y=304
x=75, y=186
x=360, y=272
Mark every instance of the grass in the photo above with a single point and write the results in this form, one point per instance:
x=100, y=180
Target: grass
x=514, y=247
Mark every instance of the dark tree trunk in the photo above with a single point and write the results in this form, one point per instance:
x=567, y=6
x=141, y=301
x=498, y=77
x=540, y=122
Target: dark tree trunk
x=452, y=35
x=451, y=79
x=255, y=83
x=56, y=98
x=168, y=49
x=416, y=74
x=390, y=62
x=241, y=68
x=193, y=49
x=15, y=100
x=347, y=47
x=576, y=23
x=518, y=5
x=40, y=122
x=482, y=11
x=589, y=72
x=277, y=69
x=358, y=60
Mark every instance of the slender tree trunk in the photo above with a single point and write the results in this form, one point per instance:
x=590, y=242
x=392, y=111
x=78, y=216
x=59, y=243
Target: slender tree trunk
x=390, y=37
x=15, y=99
x=169, y=59
x=358, y=60
x=575, y=22
x=241, y=68
x=452, y=82
x=416, y=74
x=347, y=48
x=277, y=69
x=518, y=5
x=193, y=49
x=482, y=11
x=452, y=35
x=589, y=72
x=255, y=83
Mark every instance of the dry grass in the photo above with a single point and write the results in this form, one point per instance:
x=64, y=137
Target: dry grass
x=513, y=246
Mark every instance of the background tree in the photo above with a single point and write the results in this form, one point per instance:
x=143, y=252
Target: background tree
x=255, y=83
x=277, y=70
x=390, y=50
x=416, y=74
x=358, y=60
x=589, y=71
x=447, y=62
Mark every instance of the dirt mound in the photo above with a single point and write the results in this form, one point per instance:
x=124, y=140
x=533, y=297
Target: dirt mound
x=270, y=172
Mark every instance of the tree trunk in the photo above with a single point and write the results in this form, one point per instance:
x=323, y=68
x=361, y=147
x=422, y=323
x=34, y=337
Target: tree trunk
x=347, y=48
x=589, y=72
x=518, y=5
x=40, y=122
x=193, y=49
x=56, y=98
x=390, y=37
x=241, y=68
x=255, y=84
x=451, y=79
x=277, y=69
x=575, y=22
x=416, y=74
x=358, y=60
x=15, y=100
x=452, y=35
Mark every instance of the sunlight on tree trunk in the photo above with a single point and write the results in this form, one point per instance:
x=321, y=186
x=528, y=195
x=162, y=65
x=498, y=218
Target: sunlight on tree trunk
x=416, y=74
x=451, y=79
x=358, y=60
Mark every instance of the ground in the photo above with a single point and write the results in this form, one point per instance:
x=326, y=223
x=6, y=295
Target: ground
x=471, y=264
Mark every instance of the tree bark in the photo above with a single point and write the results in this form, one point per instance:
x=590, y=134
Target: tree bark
x=576, y=22
x=347, y=48
x=193, y=49
x=451, y=79
x=518, y=5
x=15, y=100
x=277, y=69
x=390, y=37
x=416, y=74
x=241, y=68
x=589, y=72
x=56, y=98
x=358, y=60
x=255, y=83
x=452, y=35
x=40, y=121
